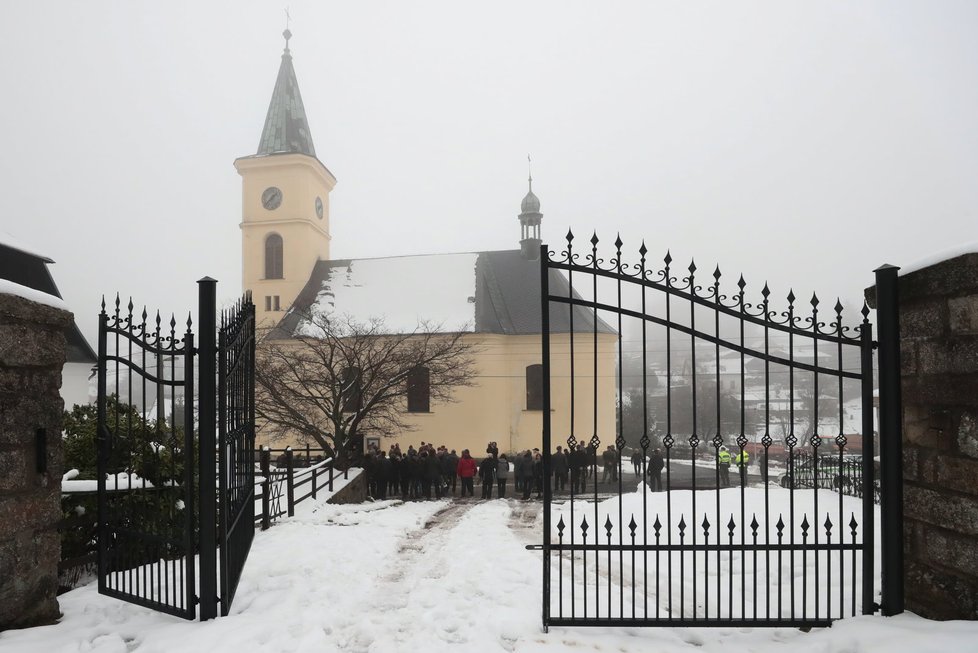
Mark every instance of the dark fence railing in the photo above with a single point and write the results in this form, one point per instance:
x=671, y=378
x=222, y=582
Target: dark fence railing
x=295, y=477
x=828, y=473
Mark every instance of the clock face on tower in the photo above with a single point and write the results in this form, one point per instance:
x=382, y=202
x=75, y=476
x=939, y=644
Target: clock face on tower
x=271, y=199
x=319, y=208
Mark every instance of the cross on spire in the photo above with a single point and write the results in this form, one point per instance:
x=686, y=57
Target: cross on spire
x=287, y=33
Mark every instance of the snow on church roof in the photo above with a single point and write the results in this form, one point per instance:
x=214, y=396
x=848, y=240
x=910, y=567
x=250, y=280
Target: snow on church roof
x=482, y=292
x=403, y=290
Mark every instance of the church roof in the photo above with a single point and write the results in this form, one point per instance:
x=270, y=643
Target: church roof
x=286, y=127
x=480, y=292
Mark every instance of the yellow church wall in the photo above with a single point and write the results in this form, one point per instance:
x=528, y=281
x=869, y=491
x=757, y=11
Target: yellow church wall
x=494, y=408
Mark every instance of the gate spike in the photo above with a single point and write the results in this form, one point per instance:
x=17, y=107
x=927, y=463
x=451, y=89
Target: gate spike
x=682, y=525
x=765, y=292
x=838, y=307
x=144, y=314
x=632, y=526
x=828, y=524
x=805, y=526
x=643, y=250
x=569, y=236
x=814, y=301
x=731, y=525
x=692, y=267
x=618, y=242
x=716, y=274
x=780, y=526
x=705, y=524
x=189, y=320
x=791, y=297
x=741, y=284
x=667, y=258
x=865, y=311
x=584, y=525
x=117, y=302
x=130, y=307
x=173, y=322
x=103, y=302
x=607, y=524
x=853, y=524
x=594, y=240
x=560, y=527
x=754, y=525
x=657, y=526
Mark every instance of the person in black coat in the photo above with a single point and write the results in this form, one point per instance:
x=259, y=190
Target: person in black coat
x=525, y=469
x=558, y=463
x=656, y=463
x=449, y=468
x=487, y=474
x=382, y=470
x=432, y=475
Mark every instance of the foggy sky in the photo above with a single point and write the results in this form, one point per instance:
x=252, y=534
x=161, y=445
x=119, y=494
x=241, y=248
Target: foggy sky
x=801, y=143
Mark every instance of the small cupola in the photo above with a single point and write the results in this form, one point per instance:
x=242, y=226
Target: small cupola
x=530, y=218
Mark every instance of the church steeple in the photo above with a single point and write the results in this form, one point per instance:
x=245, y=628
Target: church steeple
x=530, y=218
x=286, y=128
x=285, y=223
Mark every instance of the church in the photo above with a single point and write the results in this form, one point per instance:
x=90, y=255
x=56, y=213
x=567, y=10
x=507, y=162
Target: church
x=491, y=296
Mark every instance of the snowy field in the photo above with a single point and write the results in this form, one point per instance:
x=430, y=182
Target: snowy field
x=427, y=577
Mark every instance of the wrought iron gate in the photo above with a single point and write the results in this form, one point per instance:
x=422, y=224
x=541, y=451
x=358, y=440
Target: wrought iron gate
x=146, y=445
x=722, y=378
x=236, y=443
x=168, y=489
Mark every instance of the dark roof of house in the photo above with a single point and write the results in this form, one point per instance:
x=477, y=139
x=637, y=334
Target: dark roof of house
x=286, y=127
x=505, y=291
x=31, y=271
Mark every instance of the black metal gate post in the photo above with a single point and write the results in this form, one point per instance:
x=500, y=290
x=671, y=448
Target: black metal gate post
x=891, y=441
x=547, y=488
x=206, y=315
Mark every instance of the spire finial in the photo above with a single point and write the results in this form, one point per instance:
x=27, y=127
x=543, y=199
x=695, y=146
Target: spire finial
x=529, y=168
x=287, y=33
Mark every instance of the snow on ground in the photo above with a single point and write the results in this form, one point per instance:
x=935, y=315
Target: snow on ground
x=427, y=577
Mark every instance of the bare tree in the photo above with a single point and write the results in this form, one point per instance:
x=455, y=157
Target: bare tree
x=339, y=380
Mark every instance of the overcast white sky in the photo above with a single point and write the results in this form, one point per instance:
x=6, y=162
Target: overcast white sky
x=803, y=143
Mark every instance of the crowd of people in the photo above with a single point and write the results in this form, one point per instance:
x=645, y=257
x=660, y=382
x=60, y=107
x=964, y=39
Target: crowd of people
x=430, y=472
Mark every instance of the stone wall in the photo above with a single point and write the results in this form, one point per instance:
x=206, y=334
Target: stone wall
x=32, y=353
x=939, y=361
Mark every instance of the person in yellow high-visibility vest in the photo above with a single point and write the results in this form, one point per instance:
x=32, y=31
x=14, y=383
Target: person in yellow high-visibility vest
x=723, y=462
x=741, y=460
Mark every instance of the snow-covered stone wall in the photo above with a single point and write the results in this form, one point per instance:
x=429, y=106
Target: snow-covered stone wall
x=939, y=370
x=32, y=353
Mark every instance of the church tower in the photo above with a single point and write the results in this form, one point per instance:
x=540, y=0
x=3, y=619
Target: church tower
x=285, y=202
x=530, y=218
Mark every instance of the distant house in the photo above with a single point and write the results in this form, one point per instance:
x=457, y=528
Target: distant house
x=25, y=268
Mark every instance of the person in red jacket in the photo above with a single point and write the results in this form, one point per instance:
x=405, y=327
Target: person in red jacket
x=466, y=472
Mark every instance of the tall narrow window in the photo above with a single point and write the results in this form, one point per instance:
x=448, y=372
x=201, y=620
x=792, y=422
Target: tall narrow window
x=534, y=387
x=276, y=305
x=419, y=390
x=273, y=257
x=350, y=390
x=268, y=302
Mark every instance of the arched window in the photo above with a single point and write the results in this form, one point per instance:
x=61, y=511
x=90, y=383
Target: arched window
x=351, y=390
x=534, y=387
x=273, y=257
x=419, y=390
